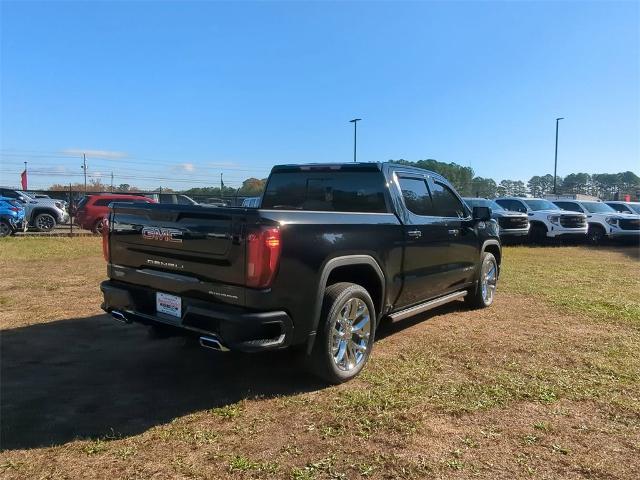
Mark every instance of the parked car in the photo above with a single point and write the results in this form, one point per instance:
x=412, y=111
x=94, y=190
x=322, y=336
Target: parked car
x=604, y=221
x=93, y=209
x=41, y=213
x=251, y=202
x=511, y=225
x=625, y=207
x=547, y=220
x=333, y=250
x=175, y=198
x=11, y=216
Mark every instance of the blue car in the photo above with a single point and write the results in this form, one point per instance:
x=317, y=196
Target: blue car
x=11, y=216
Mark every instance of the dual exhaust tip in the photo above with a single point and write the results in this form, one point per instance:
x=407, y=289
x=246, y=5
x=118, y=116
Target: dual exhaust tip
x=210, y=341
x=213, y=343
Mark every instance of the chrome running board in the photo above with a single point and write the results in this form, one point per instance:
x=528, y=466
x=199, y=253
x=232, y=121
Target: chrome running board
x=423, y=307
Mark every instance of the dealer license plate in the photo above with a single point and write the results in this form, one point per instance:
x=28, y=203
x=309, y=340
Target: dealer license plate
x=168, y=304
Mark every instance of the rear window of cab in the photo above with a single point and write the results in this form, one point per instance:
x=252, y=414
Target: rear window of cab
x=326, y=191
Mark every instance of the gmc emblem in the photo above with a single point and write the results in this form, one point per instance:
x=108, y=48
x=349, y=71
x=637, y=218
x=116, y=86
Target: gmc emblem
x=162, y=234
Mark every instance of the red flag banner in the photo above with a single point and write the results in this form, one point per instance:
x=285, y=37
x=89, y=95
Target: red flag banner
x=23, y=179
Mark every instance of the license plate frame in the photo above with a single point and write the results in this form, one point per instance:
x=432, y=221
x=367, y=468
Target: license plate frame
x=168, y=304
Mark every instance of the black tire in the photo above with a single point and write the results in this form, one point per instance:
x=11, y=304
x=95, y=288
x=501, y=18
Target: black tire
x=538, y=233
x=44, y=222
x=595, y=234
x=338, y=299
x=478, y=297
x=5, y=229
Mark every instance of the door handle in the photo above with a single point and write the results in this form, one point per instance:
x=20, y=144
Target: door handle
x=454, y=231
x=414, y=233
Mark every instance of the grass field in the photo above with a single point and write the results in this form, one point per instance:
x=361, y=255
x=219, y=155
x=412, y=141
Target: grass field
x=544, y=384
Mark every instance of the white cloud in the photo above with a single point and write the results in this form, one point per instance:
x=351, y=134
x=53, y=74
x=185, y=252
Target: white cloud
x=185, y=167
x=94, y=153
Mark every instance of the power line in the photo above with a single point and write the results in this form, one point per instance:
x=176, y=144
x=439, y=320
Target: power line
x=212, y=165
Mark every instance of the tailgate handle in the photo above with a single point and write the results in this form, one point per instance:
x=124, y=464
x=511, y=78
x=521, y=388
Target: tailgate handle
x=454, y=231
x=414, y=233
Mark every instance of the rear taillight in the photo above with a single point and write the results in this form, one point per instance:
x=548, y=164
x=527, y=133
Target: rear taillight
x=105, y=238
x=263, y=255
x=14, y=209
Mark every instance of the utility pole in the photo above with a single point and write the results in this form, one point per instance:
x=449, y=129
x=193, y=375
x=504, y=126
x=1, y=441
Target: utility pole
x=355, y=136
x=221, y=185
x=111, y=182
x=84, y=168
x=555, y=164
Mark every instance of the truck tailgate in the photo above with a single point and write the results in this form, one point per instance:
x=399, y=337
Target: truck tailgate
x=202, y=244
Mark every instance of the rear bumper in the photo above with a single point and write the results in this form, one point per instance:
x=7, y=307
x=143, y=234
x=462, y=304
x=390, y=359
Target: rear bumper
x=237, y=328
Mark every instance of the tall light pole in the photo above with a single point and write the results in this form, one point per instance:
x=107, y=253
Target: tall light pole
x=355, y=136
x=84, y=168
x=555, y=164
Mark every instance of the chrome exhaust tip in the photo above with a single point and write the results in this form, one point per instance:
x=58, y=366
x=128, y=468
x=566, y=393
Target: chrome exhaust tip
x=120, y=316
x=213, y=343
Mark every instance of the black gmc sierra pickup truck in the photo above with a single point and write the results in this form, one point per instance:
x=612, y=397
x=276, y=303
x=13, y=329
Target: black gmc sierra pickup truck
x=332, y=250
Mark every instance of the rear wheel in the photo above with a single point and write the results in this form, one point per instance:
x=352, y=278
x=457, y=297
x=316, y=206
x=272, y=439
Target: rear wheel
x=345, y=333
x=595, y=235
x=5, y=229
x=44, y=222
x=97, y=227
x=482, y=296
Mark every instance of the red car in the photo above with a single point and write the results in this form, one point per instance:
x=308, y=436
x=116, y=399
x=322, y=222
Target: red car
x=93, y=209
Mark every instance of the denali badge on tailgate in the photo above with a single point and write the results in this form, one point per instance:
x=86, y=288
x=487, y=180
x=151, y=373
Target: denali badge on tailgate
x=162, y=234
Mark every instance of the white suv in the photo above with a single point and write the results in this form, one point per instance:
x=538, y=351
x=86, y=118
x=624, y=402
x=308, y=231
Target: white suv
x=546, y=219
x=604, y=221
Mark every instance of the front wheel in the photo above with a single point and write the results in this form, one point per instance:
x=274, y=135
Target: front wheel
x=345, y=333
x=595, y=235
x=538, y=234
x=45, y=222
x=482, y=296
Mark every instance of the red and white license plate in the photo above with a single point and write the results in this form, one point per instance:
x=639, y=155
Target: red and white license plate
x=169, y=304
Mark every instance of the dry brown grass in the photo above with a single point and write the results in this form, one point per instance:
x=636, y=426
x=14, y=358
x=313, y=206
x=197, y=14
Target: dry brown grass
x=535, y=387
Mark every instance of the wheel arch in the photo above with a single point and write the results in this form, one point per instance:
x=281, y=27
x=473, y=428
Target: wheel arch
x=38, y=210
x=493, y=247
x=363, y=270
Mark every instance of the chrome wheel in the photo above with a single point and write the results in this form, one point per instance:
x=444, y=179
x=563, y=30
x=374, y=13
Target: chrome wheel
x=488, y=280
x=45, y=222
x=350, y=332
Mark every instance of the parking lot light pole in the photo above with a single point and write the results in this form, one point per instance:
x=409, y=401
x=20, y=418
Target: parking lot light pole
x=555, y=164
x=355, y=136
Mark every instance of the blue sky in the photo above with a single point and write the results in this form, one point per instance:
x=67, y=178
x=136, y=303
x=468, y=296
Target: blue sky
x=173, y=93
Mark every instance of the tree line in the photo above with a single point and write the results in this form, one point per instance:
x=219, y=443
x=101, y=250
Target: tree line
x=606, y=186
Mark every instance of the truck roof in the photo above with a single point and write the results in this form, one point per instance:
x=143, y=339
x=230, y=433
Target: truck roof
x=352, y=166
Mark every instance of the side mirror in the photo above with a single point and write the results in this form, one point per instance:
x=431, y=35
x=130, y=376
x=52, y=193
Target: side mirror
x=482, y=213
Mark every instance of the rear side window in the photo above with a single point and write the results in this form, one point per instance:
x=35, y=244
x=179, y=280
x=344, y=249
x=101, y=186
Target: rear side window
x=326, y=191
x=445, y=202
x=416, y=195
